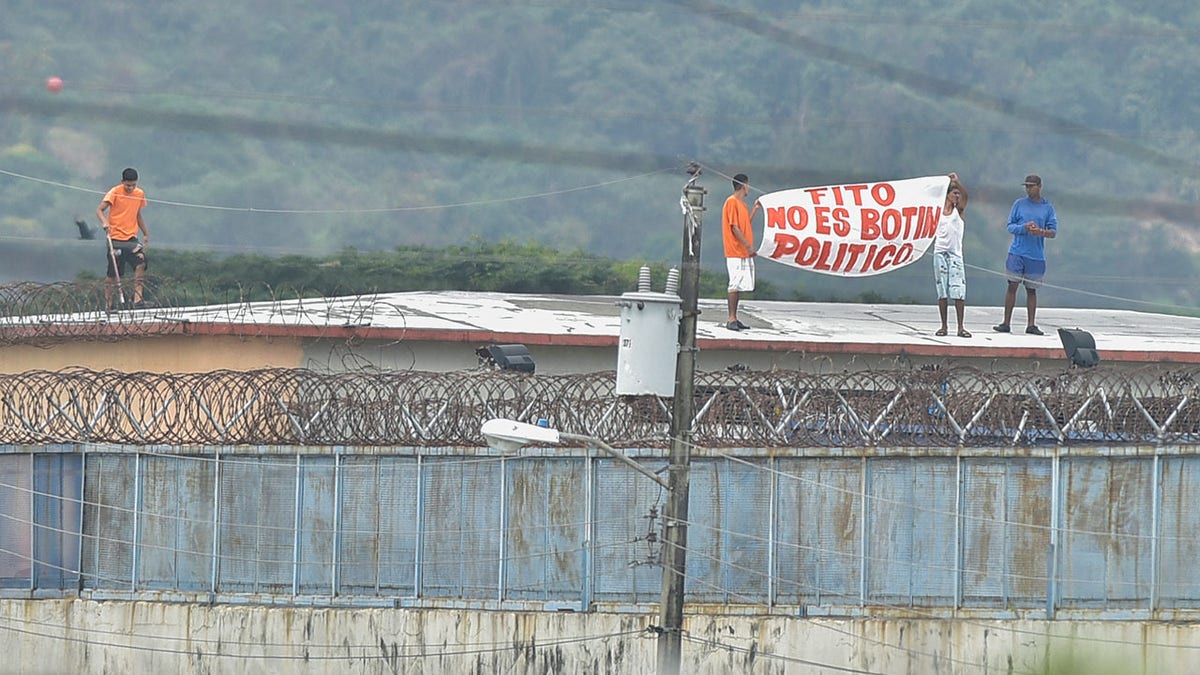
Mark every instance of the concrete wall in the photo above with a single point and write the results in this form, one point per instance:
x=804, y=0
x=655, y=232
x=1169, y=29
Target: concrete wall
x=81, y=636
x=203, y=353
x=167, y=354
x=567, y=359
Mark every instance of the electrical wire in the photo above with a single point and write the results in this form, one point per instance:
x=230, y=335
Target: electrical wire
x=907, y=609
x=904, y=609
x=389, y=209
x=509, y=259
x=372, y=652
x=1068, y=289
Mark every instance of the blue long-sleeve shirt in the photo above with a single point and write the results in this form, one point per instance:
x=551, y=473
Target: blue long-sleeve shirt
x=1023, y=211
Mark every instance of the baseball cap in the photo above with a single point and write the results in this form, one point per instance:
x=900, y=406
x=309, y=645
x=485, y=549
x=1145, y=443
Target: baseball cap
x=1033, y=179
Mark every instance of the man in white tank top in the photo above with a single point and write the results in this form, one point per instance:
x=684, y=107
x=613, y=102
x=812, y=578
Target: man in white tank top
x=949, y=275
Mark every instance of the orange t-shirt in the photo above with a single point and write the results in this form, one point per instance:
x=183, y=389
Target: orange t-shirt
x=735, y=214
x=123, y=211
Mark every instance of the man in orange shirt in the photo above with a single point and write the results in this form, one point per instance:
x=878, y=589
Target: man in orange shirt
x=738, y=234
x=121, y=213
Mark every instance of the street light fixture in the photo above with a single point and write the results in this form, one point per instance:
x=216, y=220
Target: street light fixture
x=510, y=435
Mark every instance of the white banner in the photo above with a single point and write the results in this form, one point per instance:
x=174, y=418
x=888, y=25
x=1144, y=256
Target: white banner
x=853, y=230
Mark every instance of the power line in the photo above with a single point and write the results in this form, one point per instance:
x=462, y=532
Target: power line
x=371, y=652
x=943, y=89
x=339, y=134
x=386, y=209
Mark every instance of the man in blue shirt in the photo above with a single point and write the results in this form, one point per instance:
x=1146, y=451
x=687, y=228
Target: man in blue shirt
x=1032, y=221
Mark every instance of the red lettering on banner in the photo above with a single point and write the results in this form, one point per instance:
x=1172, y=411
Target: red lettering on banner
x=870, y=257
x=797, y=217
x=837, y=195
x=870, y=224
x=883, y=194
x=838, y=217
x=929, y=223
x=884, y=258
x=823, y=261
x=857, y=191
x=841, y=257
x=785, y=245
x=809, y=249
x=908, y=223
x=782, y=218
x=841, y=222
x=826, y=256
x=858, y=229
x=855, y=250
x=774, y=218
x=890, y=223
x=910, y=213
x=822, y=216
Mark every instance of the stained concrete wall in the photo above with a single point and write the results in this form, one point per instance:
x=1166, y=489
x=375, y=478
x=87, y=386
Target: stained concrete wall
x=84, y=636
x=165, y=354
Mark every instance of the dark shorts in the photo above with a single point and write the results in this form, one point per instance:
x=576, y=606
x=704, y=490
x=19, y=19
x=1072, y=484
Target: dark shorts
x=128, y=253
x=1028, y=270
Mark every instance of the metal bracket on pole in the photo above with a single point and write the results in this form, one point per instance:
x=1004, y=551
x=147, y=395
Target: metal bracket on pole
x=617, y=454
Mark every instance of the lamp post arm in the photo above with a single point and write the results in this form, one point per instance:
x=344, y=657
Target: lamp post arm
x=608, y=449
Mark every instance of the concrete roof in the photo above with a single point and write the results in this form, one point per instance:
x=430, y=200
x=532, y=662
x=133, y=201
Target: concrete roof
x=832, y=328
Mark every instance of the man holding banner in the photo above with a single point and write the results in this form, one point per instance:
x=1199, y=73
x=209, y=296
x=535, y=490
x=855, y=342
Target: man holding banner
x=949, y=275
x=1032, y=221
x=738, y=235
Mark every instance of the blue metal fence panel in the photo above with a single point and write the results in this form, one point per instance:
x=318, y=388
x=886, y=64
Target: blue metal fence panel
x=1179, y=536
x=728, y=534
x=1106, y=520
x=985, y=527
x=911, y=524
x=547, y=529
x=627, y=543
x=836, y=532
x=316, y=532
x=380, y=526
x=1006, y=531
x=819, y=531
x=57, y=488
x=257, y=524
x=16, y=518
x=461, y=528
x=110, y=488
x=177, y=523
x=1027, y=531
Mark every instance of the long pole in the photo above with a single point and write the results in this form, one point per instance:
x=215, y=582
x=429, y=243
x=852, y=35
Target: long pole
x=112, y=255
x=675, y=511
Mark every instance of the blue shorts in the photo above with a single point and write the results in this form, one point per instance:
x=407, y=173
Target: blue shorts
x=949, y=277
x=1020, y=268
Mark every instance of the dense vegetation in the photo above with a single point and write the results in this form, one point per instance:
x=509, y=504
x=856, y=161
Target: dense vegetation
x=479, y=266
x=300, y=128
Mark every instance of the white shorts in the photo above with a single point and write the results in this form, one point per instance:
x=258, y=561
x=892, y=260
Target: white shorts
x=741, y=274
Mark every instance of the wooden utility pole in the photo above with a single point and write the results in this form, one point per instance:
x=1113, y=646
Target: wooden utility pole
x=675, y=511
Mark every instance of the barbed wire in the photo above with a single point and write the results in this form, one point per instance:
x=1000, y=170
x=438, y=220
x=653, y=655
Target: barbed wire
x=951, y=407
x=43, y=314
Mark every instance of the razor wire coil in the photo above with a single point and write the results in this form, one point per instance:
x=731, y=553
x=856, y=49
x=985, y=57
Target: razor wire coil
x=918, y=408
